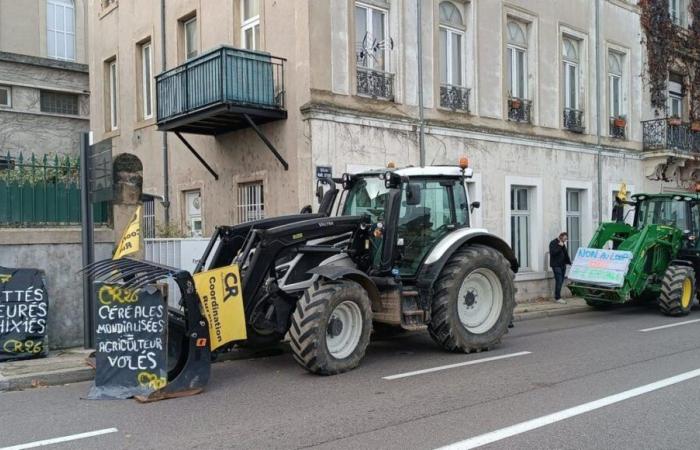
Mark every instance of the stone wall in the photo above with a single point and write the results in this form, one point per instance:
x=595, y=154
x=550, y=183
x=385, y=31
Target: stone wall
x=58, y=252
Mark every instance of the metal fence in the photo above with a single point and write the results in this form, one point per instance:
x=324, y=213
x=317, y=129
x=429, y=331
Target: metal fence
x=44, y=191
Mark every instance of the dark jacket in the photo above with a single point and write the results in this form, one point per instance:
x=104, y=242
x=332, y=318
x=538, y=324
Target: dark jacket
x=558, y=255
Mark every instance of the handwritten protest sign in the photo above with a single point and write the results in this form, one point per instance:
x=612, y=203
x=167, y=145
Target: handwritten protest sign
x=24, y=307
x=605, y=268
x=130, y=342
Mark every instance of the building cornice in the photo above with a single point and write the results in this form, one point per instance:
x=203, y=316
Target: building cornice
x=43, y=62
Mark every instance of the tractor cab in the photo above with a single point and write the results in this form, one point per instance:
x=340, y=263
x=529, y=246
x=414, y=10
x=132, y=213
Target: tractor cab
x=673, y=210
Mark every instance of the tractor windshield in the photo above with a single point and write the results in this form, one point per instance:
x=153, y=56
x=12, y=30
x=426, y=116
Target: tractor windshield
x=367, y=196
x=662, y=211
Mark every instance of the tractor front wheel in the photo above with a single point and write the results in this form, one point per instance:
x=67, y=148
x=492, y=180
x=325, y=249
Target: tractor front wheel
x=474, y=300
x=331, y=327
x=677, y=291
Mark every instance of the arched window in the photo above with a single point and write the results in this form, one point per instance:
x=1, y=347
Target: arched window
x=517, y=59
x=60, y=29
x=570, y=54
x=451, y=45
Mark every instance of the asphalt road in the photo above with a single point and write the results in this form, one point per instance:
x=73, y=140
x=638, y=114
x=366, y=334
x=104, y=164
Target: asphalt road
x=590, y=380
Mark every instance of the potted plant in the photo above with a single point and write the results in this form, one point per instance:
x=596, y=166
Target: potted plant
x=695, y=126
x=674, y=121
x=620, y=121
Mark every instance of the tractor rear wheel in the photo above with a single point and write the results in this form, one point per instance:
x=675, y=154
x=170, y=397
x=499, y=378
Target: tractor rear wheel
x=474, y=300
x=677, y=291
x=331, y=327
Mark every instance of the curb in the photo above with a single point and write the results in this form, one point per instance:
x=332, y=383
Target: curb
x=48, y=378
x=529, y=315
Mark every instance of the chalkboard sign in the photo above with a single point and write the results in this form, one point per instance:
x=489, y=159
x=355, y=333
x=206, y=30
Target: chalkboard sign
x=24, y=307
x=131, y=343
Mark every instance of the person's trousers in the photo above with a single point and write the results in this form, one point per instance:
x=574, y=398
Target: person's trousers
x=559, y=273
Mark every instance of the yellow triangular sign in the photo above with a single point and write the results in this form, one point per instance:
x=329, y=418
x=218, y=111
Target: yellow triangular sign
x=131, y=239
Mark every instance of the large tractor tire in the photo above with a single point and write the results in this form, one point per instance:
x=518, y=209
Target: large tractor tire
x=331, y=327
x=474, y=300
x=677, y=291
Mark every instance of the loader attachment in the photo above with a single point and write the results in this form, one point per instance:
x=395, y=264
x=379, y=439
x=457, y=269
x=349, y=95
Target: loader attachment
x=188, y=356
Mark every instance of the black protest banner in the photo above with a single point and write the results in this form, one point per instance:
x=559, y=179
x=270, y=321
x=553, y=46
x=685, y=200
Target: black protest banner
x=24, y=307
x=130, y=342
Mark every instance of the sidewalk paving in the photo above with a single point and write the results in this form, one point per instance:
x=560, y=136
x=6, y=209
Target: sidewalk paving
x=70, y=365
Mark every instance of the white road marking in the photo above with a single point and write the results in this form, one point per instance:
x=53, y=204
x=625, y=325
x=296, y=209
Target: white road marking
x=72, y=437
x=533, y=424
x=452, y=366
x=675, y=324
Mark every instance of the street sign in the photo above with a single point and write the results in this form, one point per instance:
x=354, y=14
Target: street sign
x=324, y=172
x=100, y=176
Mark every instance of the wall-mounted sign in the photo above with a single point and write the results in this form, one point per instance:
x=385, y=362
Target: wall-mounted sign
x=24, y=308
x=600, y=267
x=130, y=342
x=324, y=172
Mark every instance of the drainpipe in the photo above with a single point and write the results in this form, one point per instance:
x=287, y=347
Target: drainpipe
x=598, y=107
x=421, y=118
x=166, y=175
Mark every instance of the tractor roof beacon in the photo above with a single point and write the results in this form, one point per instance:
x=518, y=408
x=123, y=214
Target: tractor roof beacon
x=393, y=247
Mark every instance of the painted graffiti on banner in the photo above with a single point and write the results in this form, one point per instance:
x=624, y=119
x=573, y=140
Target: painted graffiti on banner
x=131, y=343
x=24, y=308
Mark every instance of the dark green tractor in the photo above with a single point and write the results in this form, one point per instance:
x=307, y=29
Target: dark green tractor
x=663, y=250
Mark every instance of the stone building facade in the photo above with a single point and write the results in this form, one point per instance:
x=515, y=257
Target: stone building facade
x=545, y=97
x=44, y=87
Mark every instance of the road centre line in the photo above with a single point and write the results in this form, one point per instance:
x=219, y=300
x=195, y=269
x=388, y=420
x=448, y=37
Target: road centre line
x=58, y=440
x=523, y=427
x=452, y=366
x=675, y=324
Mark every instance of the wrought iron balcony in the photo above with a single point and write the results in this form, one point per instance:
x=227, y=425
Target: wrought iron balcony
x=454, y=97
x=618, y=127
x=670, y=134
x=375, y=83
x=573, y=120
x=221, y=91
x=519, y=109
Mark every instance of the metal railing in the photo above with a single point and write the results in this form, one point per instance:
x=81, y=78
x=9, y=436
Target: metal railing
x=617, y=131
x=573, y=120
x=375, y=83
x=44, y=191
x=224, y=75
x=671, y=134
x=454, y=97
x=519, y=109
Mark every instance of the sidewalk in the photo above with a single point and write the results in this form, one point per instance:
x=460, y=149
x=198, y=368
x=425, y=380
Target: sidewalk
x=70, y=366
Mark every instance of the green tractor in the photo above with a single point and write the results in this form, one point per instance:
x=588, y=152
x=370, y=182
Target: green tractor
x=662, y=251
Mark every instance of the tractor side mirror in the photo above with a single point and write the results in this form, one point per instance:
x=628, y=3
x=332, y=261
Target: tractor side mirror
x=473, y=206
x=413, y=194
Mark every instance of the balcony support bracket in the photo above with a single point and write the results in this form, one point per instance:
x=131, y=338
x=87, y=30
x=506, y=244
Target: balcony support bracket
x=197, y=155
x=266, y=141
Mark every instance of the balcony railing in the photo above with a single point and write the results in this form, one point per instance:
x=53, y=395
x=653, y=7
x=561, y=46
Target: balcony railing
x=455, y=98
x=670, y=134
x=618, y=128
x=248, y=80
x=375, y=83
x=573, y=120
x=519, y=109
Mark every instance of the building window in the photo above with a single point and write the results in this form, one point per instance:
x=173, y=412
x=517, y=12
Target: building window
x=675, y=95
x=675, y=10
x=453, y=94
x=520, y=224
x=251, y=202
x=193, y=202
x=250, y=26
x=615, y=97
x=59, y=103
x=147, y=80
x=372, y=46
x=573, y=116
x=6, y=96
x=60, y=29
x=113, y=94
x=191, y=38
x=573, y=219
x=517, y=60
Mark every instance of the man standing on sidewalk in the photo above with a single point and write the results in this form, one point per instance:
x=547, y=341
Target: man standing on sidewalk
x=558, y=260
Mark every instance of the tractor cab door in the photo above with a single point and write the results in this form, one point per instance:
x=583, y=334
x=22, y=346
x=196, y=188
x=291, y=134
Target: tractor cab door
x=443, y=207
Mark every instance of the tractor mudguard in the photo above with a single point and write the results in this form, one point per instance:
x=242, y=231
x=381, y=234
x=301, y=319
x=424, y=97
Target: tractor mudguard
x=188, y=331
x=337, y=272
x=438, y=256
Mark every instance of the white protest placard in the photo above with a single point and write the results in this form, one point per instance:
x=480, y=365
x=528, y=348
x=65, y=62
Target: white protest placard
x=601, y=267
